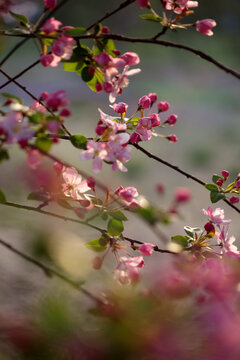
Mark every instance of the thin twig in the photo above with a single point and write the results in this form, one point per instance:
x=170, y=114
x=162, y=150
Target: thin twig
x=176, y=168
x=51, y=272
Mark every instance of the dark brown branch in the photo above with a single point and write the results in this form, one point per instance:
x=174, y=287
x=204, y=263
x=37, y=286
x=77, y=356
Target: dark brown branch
x=176, y=168
x=51, y=272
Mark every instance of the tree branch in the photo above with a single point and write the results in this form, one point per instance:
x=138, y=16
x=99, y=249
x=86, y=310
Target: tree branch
x=52, y=272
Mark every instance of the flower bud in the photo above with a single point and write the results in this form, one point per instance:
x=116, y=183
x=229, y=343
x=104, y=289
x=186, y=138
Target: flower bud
x=209, y=227
x=120, y=108
x=219, y=182
x=144, y=102
x=205, y=26
x=234, y=200
x=97, y=262
x=163, y=106
x=225, y=174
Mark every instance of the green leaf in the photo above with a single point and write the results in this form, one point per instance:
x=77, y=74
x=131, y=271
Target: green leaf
x=147, y=214
x=79, y=141
x=3, y=155
x=191, y=231
x=77, y=31
x=43, y=143
x=72, y=66
x=115, y=227
x=38, y=195
x=211, y=187
x=181, y=240
x=134, y=120
x=118, y=215
x=215, y=196
x=86, y=76
x=97, y=245
x=21, y=18
x=3, y=199
x=97, y=28
x=216, y=177
x=151, y=17
x=63, y=203
x=12, y=97
x=36, y=118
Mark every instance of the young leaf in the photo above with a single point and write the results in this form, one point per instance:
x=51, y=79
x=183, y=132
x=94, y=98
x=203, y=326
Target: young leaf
x=86, y=76
x=191, y=231
x=148, y=214
x=215, y=196
x=12, y=97
x=79, y=141
x=20, y=18
x=115, y=227
x=72, y=66
x=151, y=17
x=118, y=215
x=77, y=31
x=183, y=241
x=216, y=177
x=3, y=155
x=3, y=199
x=97, y=245
x=43, y=143
x=211, y=187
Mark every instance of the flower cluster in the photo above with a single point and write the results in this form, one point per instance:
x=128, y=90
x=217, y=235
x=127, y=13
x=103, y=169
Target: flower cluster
x=219, y=190
x=114, y=81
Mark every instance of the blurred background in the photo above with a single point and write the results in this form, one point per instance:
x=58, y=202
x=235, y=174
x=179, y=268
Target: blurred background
x=205, y=99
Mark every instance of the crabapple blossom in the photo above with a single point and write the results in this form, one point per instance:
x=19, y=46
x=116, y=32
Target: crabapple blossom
x=205, y=26
x=163, y=106
x=58, y=167
x=56, y=100
x=95, y=151
x=37, y=107
x=97, y=262
x=234, y=200
x=182, y=195
x=172, y=138
x=143, y=3
x=51, y=25
x=73, y=186
x=127, y=194
x=120, y=108
x=63, y=47
x=216, y=216
x=171, y=120
x=135, y=138
x=153, y=97
x=144, y=128
x=146, y=249
x=131, y=58
x=155, y=120
x=34, y=158
x=238, y=184
x=179, y=6
x=127, y=270
x=144, y=102
x=219, y=182
x=16, y=128
x=50, y=4
x=225, y=174
x=209, y=227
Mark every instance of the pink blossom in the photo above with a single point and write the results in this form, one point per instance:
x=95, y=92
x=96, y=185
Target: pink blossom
x=34, y=158
x=120, y=108
x=97, y=262
x=51, y=25
x=128, y=193
x=155, y=120
x=105, y=30
x=53, y=126
x=143, y=128
x=73, y=186
x=146, y=249
x=50, y=60
x=160, y=188
x=131, y=58
x=234, y=200
x=205, y=26
x=111, y=123
x=219, y=182
x=65, y=112
x=118, y=151
x=225, y=174
x=36, y=106
x=127, y=270
x=56, y=100
x=209, y=227
x=98, y=87
x=179, y=6
x=153, y=97
x=108, y=87
x=143, y=3
x=16, y=128
x=172, y=138
x=59, y=168
x=95, y=151
x=172, y=119
x=91, y=182
x=103, y=59
x=216, y=216
x=135, y=138
x=144, y=102
x=182, y=195
x=63, y=47
x=163, y=106
x=238, y=184
x=50, y=4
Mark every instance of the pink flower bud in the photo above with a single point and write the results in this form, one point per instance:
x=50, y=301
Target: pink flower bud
x=100, y=128
x=219, y=182
x=205, y=26
x=153, y=97
x=65, y=112
x=238, y=184
x=44, y=96
x=117, y=52
x=46, y=60
x=225, y=174
x=172, y=138
x=120, y=108
x=50, y=4
x=155, y=120
x=51, y=25
x=91, y=182
x=53, y=126
x=131, y=58
x=91, y=70
x=97, y=262
x=182, y=195
x=146, y=249
x=234, y=200
x=144, y=102
x=135, y=138
x=160, y=188
x=107, y=87
x=172, y=119
x=59, y=168
x=105, y=30
x=163, y=106
x=209, y=227
x=98, y=87
x=103, y=59
x=143, y=3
